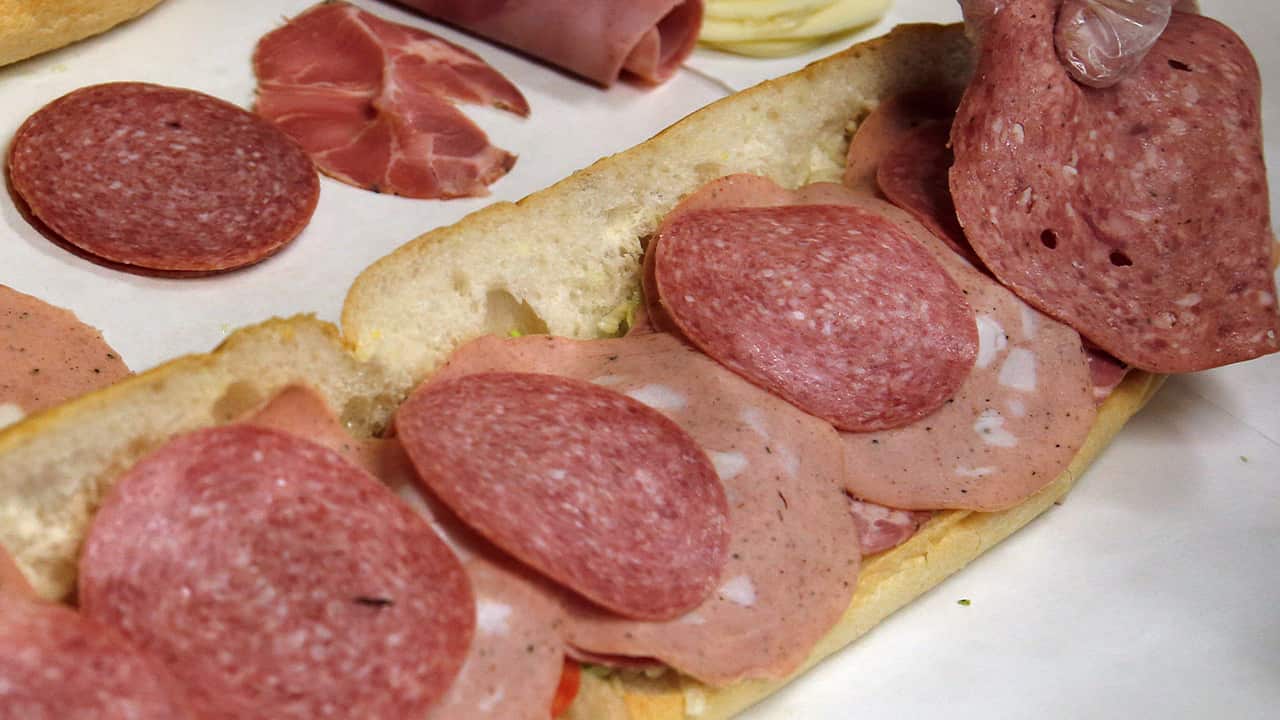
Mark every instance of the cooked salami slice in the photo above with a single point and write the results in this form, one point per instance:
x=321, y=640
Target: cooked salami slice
x=162, y=178
x=833, y=308
x=278, y=580
x=592, y=488
x=55, y=664
x=1136, y=214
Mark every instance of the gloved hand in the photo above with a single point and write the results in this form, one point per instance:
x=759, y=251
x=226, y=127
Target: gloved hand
x=1098, y=41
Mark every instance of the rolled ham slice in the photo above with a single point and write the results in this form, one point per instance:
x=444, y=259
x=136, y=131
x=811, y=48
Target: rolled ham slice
x=597, y=39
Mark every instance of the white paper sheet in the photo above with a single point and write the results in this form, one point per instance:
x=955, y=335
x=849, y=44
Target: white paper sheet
x=1151, y=592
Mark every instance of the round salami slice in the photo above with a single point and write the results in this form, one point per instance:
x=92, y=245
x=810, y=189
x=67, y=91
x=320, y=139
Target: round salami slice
x=596, y=490
x=57, y=664
x=161, y=178
x=278, y=580
x=833, y=308
x=902, y=150
x=1138, y=214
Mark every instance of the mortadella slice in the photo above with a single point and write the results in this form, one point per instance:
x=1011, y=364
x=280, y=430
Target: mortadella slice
x=1137, y=214
x=596, y=39
x=55, y=663
x=793, y=554
x=594, y=489
x=277, y=580
x=1012, y=427
x=48, y=355
x=831, y=307
x=372, y=102
x=514, y=664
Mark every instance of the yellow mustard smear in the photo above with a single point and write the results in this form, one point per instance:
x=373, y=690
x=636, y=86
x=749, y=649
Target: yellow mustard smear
x=776, y=28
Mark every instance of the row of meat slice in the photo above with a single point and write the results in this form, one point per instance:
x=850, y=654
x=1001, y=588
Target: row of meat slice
x=245, y=578
x=1021, y=357
x=765, y=480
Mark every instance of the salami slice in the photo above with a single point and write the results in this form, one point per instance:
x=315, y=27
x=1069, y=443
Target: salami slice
x=1137, y=214
x=161, y=178
x=903, y=150
x=913, y=176
x=516, y=656
x=593, y=489
x=55, y=664
x=833, y=308
x=277, y=580
x=372, y=102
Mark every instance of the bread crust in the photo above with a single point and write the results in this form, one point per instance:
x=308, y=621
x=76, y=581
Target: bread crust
x=564, y=260
x=31, y=27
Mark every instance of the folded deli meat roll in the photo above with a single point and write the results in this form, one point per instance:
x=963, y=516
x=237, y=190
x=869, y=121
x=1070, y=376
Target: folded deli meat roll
x=597, y=39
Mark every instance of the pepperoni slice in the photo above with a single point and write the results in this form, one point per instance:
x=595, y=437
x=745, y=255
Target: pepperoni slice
x=592, y=488
x=163, y=179
x=1138, y=214
x=833, y=308
x=277, y=580
x=57, y=664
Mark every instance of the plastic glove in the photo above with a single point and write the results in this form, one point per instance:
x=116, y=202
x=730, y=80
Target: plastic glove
x=1099, y=41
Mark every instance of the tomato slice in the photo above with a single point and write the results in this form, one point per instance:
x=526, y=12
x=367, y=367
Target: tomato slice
x=570, y=680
